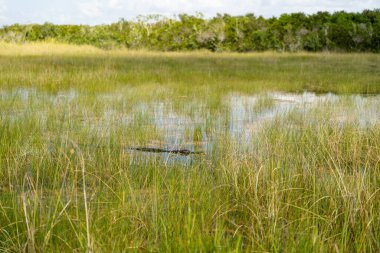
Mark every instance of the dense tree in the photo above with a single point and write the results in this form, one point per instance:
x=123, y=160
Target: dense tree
x=339, y=31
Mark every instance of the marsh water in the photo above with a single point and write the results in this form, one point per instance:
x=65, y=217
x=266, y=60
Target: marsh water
x=113, y=120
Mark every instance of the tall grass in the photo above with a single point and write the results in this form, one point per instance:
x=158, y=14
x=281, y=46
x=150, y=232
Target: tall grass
x=305, y=182
x=55, y=67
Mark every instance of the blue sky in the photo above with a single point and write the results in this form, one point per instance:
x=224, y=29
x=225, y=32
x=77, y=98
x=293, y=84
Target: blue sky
x=107, y=11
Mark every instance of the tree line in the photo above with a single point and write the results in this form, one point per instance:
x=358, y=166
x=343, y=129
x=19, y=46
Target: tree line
x=322, y=31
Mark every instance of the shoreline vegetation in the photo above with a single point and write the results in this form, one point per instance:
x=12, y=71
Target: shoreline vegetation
x=284, y=169
x=322, y=31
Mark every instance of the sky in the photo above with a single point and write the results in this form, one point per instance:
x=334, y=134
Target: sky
x=108, y=11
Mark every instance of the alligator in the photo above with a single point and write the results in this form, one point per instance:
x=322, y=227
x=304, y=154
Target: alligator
x=185, y=152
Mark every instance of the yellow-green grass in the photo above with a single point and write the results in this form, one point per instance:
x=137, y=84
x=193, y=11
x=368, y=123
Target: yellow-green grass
x=306, y=182
x=55, y=67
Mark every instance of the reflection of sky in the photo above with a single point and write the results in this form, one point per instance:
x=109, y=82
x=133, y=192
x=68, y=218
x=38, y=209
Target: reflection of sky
x=106, y=11
x=191, y=126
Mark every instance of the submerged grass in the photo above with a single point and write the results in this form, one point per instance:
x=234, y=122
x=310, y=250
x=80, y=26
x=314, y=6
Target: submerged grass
x=306, y=181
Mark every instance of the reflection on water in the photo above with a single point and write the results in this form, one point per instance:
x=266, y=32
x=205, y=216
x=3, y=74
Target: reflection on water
x=190, y=125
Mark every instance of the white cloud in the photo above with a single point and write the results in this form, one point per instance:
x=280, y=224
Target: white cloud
x=91, y=9
x=209, y=8
x=115, y=4
x=106, y=11
x=266, y=8
x=3, y=9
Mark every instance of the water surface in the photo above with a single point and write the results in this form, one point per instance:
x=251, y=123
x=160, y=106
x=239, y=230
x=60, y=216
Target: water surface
x=115, y=120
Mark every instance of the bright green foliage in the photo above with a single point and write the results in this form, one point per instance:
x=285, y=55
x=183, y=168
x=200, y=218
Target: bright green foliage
x=340, y=31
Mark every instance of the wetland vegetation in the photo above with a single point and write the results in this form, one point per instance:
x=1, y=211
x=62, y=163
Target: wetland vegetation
x=287, y=151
